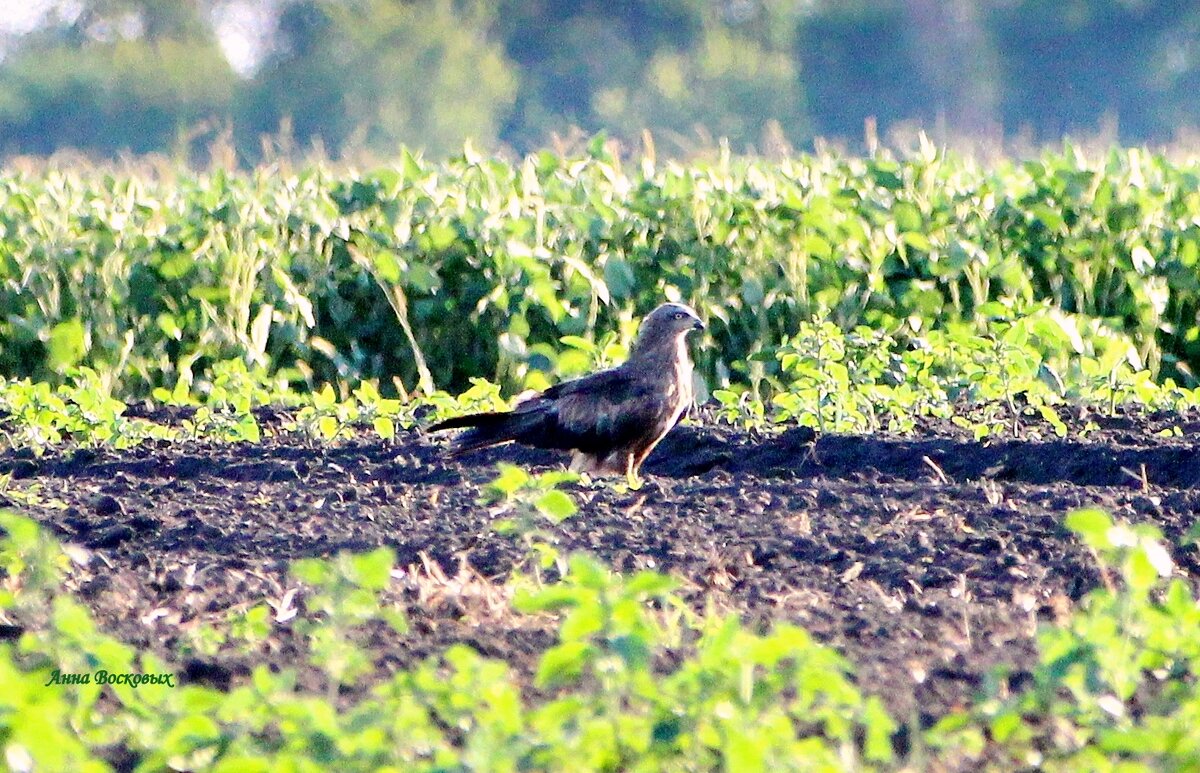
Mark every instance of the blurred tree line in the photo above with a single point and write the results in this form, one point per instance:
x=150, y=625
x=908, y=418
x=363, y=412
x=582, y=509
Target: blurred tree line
x=107, y=76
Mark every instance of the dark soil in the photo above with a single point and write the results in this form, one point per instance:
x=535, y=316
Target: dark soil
x=927, y=560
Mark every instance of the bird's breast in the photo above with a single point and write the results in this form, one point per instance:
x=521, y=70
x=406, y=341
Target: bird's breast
x=680, y=392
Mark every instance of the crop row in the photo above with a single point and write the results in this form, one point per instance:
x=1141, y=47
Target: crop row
x=423, y=276
x=1111, y=686
x=861, y=381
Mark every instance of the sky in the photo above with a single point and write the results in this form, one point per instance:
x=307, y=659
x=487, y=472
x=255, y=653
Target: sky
x=19, y=16
x=242, y=27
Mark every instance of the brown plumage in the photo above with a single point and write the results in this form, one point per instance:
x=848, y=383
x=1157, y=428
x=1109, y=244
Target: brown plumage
x=612, y=419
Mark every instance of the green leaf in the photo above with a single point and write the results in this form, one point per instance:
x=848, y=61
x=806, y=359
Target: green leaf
x=169, y=326
x=916, y=240
x=650, y=584
x=549, y=599
x=411, y=167
x=248, y=429
x=576, y=342
x=582, y=622
x=384, y=427
x=373, y=570
x=422, y=278
x=210, y=294
x=743, y=752
x=242, y=764
x=510, y=479
x=387, y=267
x=312, y=571
x=556, y=505
x=817, y=247
x=1093, y=525
x=66, y=346
x=325, y=398
x=441, y=235
x=619, y=278
x=908, y=217
x=633, y=649
x=1049, y=217
x=195, y=730
x=880, y=728
x=1140, y=572
x=395, y=619
x=1004, y=725
x=587, y=572
x=563, y=663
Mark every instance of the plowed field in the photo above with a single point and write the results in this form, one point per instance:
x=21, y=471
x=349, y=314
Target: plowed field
x=927, y=560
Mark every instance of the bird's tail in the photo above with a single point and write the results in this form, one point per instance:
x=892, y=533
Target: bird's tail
x=487, y=429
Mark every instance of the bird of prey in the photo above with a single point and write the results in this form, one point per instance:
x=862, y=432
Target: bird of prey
x=611, y=419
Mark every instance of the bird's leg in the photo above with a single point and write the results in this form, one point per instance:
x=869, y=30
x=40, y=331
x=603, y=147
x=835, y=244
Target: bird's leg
x=631, y=473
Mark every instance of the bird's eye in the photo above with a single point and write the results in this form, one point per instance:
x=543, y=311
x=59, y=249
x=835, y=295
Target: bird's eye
x=679, y=315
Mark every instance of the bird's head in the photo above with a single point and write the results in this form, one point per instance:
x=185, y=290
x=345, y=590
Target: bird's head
x=666, y=324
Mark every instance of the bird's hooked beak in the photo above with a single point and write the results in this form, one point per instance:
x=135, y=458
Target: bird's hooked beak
x=697, y=325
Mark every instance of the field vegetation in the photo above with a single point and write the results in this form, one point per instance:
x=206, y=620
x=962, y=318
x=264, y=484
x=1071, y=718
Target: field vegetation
x=287, y=312
x=422, y=276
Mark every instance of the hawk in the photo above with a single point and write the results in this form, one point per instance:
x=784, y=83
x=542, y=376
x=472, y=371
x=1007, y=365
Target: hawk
x=611, y=419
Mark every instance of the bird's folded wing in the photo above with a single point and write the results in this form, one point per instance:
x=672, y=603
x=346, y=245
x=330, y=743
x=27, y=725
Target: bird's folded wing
x=602, y=412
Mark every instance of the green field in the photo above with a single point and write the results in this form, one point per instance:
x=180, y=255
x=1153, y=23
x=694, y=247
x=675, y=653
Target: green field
x=423, y=276
x=149, y=310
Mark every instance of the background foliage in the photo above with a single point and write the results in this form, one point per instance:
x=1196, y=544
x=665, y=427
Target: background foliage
x=438, y=273
x=110, y=75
